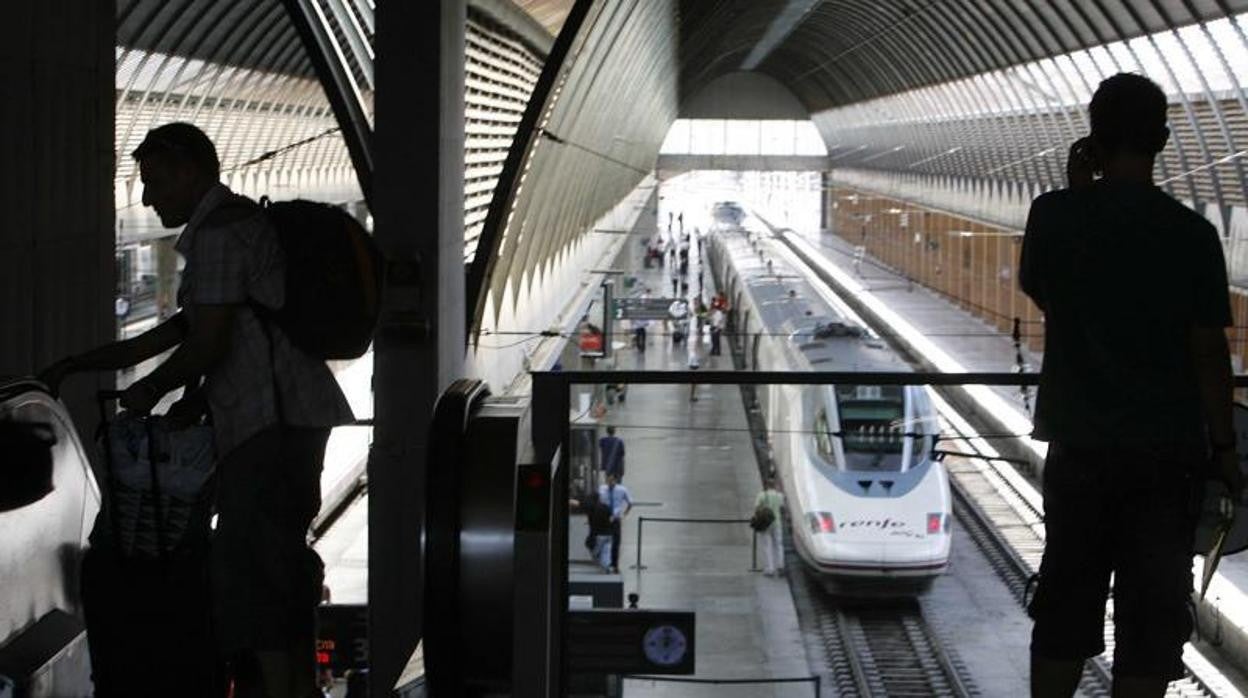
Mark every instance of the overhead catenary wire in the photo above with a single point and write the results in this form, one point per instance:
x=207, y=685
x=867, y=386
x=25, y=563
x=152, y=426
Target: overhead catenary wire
x=573, y=144
x=936, y=436
x=727, y=334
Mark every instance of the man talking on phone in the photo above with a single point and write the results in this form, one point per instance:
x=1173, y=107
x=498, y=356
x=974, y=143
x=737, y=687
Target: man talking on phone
x=1134, y=399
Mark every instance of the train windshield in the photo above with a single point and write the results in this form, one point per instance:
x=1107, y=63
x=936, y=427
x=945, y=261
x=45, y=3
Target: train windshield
x=872, y=430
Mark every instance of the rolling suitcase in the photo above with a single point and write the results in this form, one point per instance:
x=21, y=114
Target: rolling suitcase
x=145, y=585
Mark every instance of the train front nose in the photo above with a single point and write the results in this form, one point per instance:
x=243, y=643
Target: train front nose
x=914, y=557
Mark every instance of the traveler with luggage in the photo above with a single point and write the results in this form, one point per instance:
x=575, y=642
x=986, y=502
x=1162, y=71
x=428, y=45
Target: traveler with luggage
x=639, y=326
x=259, y=315
x=766, y=523
x=678, y=315
x=598, y=541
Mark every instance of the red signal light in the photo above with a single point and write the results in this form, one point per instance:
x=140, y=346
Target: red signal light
x=534, y=479
x=532, y=498
x=933, y=523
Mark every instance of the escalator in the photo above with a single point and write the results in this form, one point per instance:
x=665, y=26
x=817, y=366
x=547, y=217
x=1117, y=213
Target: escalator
x=48, y=502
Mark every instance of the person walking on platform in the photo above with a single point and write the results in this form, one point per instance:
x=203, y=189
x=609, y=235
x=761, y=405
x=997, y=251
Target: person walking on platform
x=1134, y=399
x=271, y=404
x=617, y=498
x=677, y=314
x=717, y=328
x=639, y=326
x=612, y=450
x=702, y=318
x=598, y=515
x=772, y=501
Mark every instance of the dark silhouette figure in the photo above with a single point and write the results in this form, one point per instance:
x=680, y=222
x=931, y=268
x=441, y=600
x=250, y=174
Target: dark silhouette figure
x=271, y=404
x=1134, y=400
x=612, y=449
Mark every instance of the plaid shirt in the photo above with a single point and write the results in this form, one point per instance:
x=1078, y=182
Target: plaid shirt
x=239, y=262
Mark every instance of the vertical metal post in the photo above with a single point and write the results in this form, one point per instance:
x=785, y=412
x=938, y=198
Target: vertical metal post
x=419, y=350
x=608, y=316
x=551, y=404
x=639, y=566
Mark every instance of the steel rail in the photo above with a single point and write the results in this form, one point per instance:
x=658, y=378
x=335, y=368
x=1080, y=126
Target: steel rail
x=878, y=649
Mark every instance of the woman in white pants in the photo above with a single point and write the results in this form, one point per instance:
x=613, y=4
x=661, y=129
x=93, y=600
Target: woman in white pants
x=773, y=535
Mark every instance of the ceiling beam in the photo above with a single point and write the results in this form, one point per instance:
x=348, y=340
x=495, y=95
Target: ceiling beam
x=788, y=19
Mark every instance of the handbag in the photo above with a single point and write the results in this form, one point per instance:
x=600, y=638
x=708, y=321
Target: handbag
x=157, y=495
x=762, y=519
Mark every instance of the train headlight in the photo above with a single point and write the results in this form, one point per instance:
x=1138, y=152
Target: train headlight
x=936, y=522
x=821, y=522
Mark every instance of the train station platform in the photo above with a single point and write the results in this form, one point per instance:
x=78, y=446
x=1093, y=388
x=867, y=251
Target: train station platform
x=693, y=461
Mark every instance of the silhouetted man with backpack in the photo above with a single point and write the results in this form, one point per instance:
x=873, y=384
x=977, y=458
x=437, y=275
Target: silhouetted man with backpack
x=271, y=405
x=1134, y=400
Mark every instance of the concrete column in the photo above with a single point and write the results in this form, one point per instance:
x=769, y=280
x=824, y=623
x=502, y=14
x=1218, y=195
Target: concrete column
x=418, y=217
x=56, y=190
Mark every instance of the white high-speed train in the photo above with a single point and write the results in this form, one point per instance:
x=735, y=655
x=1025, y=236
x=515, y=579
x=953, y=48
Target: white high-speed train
x=866, y=501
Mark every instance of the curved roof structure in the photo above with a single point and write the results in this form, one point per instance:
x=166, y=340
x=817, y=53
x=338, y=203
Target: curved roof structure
x=840, y=52
x=240, y=71
x=977, y=90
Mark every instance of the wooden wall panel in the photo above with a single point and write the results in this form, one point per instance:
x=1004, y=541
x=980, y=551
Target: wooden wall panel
x=979, y=271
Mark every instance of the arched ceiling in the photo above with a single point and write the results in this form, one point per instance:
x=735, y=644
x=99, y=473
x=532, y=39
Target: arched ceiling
x=845, y=51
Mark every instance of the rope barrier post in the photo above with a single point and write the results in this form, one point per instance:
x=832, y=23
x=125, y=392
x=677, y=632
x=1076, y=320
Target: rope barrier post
x=818, y=686
x=639, y=566
x=754, y=551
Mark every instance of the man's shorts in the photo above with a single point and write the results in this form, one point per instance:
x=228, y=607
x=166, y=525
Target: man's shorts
x=266, y=580
x=1132, y=515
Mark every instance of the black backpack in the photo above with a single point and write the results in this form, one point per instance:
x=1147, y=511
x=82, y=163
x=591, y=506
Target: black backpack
x=333, y=277
x=762, y=518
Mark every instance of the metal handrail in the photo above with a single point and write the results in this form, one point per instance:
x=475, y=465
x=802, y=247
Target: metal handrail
x=668, y=519
x=814, y=680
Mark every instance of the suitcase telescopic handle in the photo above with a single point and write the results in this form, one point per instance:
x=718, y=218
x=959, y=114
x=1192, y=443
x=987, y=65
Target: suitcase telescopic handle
x=103, y=397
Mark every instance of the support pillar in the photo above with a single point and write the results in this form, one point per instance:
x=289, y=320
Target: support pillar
x=418, y=216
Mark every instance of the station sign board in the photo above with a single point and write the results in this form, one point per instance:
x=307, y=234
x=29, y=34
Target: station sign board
x=631, y=641
x=643, y=308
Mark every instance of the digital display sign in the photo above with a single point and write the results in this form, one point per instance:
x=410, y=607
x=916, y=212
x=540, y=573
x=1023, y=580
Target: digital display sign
x=342, y=637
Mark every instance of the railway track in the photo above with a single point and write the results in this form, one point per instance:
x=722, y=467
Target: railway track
x=877, y=648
